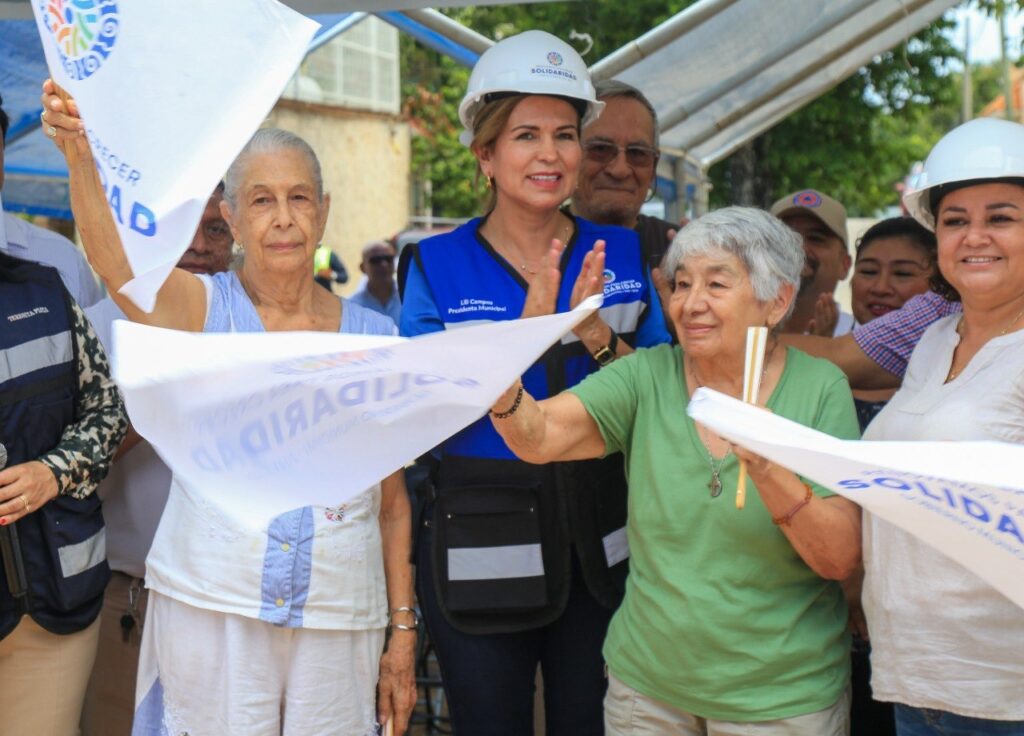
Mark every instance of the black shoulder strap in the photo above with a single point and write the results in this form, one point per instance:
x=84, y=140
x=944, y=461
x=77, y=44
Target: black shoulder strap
x=409, y=252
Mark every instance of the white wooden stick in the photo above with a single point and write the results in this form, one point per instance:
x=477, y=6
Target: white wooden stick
x=753, y=369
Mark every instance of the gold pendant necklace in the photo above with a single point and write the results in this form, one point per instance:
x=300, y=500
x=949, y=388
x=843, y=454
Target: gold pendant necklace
x=953, y=370
x=565, y=232
x=715, y=484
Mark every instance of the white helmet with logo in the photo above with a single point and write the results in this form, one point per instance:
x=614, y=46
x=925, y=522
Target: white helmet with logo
x=981, y=149
x=532, y=63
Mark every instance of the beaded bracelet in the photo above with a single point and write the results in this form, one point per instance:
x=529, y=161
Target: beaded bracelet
x=512, y=410
x=786, y=519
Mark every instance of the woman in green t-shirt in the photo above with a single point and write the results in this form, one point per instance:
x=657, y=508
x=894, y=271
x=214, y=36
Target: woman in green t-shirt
x=730, y=616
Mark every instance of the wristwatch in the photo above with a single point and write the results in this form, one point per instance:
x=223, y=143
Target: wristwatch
x=607, y=354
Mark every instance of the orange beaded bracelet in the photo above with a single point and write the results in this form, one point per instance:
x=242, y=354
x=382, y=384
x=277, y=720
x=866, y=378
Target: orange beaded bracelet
x=785, y=520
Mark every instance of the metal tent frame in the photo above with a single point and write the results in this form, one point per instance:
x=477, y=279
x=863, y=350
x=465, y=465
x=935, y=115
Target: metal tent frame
x=719, y=73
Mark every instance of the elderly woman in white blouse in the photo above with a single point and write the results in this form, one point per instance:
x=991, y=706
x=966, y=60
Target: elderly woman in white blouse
x=278, y=630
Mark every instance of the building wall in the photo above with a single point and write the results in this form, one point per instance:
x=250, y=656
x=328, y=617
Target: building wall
x=365, y=162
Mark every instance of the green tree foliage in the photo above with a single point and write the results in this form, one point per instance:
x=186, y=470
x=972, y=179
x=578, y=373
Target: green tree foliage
x=856, y=141
x=987, y=80
x=433, y=85
x=437, y=155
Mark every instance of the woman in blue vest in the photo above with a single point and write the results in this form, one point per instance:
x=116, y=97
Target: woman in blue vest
x=61, y=420
x=279, y=629
x=520, y=565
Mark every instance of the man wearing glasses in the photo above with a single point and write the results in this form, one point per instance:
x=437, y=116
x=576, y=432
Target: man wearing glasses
x=620, y=154
x=380, y=293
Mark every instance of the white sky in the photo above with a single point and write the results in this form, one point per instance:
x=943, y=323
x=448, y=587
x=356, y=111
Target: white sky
x=984, y=34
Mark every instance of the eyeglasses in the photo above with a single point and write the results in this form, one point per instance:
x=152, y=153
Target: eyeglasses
x=217, y=231
x=380, y=260
x=638, y=156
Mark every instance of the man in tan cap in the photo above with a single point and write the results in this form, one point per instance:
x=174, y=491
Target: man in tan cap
x=821, y=222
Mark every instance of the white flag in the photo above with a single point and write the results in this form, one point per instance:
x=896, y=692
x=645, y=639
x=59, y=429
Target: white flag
x=966, y=499
x=170, y=92
x=265, y=423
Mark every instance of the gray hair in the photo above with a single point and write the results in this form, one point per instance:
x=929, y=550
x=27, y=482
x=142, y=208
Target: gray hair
x=772, y=253
x=607, y=89
x=270, y=140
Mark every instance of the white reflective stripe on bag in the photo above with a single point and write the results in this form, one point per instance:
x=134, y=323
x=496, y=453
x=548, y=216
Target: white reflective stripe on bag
x=616, y=547
x=495, y=563
x=77, y=558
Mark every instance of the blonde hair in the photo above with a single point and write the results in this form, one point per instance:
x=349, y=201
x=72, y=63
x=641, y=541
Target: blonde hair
x=490, y=120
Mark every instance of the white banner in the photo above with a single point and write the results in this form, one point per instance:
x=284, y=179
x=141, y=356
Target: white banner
x=270, y=422
x=170, y=92
x=966, y=499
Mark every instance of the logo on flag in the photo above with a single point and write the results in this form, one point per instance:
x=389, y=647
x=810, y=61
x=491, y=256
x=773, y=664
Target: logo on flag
x=554, y=58
x=807, y=198
x=84, y=32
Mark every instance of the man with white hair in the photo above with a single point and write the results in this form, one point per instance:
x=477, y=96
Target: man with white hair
x=620, y=159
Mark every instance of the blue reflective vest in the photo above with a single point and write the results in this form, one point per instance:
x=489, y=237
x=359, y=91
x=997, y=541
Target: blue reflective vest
x=504, y=530
x=63, y=543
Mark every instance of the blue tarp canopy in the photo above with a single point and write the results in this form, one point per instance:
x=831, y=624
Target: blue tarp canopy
x=35, y=175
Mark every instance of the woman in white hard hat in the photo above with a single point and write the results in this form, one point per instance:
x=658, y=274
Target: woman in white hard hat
x=520, y=565
x=946, y=645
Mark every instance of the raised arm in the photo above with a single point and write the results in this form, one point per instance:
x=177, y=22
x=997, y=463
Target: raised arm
x=861, y=371
x=181, y=302
x=559, y=428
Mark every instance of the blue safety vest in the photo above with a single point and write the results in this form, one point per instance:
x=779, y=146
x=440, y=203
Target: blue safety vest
x=504, y=530
x=63, y=543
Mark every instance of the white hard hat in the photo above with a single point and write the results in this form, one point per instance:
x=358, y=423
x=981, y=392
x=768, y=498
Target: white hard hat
x=532, y=63
x=984, y=148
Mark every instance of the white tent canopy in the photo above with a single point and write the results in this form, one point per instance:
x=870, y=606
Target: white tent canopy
x=719, y=73
x=751, y=63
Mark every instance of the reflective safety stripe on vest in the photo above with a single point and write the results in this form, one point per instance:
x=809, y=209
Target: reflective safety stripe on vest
x=321, y=259
x=62, y=544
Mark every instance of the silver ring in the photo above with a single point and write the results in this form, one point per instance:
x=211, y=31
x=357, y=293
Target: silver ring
x=51, y=131
x=42, y=116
